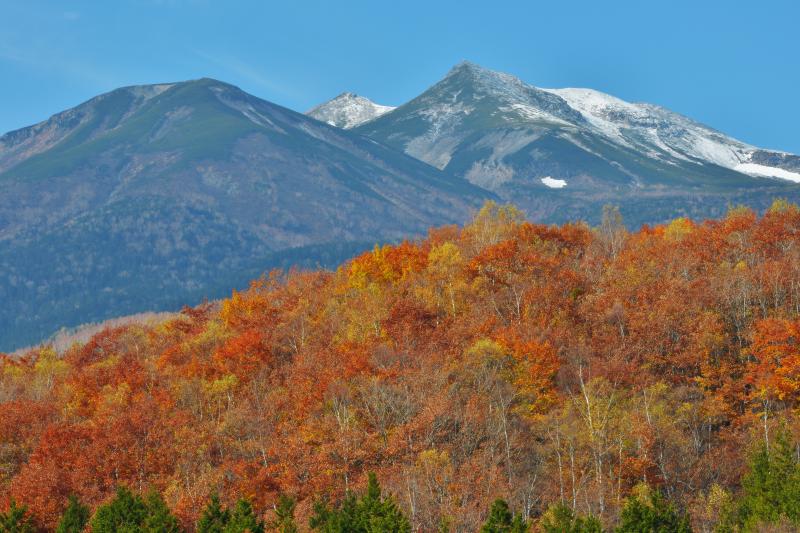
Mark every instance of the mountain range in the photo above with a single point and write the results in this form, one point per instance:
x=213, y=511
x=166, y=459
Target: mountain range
x=560, y=153
x=150, y=197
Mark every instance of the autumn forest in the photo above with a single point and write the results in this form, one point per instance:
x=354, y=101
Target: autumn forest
x=503, y=376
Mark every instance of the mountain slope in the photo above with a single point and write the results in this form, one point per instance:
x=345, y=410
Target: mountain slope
x=156, y=196
x=348, y=110
x=655, y=130
x=563, y=153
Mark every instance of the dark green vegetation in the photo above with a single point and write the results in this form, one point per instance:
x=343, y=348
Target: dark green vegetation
x=369, y=513
x=159, y=196
x=502, y=520
x=75, y=517
x=651, y=512
x=772, y=489
x=240, y=519
x=16, y=519
x=134, y=513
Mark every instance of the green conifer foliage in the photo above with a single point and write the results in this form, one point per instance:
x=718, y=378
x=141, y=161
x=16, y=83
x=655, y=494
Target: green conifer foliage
x=130, y=513
x=371, y=513
x=771, y=489
x=243, y=519
x=214, y=517
x=159, y=519
x=16, y=519
x=651, y=512
x=502, y=520
x=284, y=515
x=75, y=517
x=562, y=519
x=125, y=513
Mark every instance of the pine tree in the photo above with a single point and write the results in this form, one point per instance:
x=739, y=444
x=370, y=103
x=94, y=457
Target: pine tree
x=562, y=519
x=652, y=513
x=388, y=519
x=772, y=486
x=243, y=519
x=214, y=517
x=284, y=515
x=502, y=520
x=75, y=517
x=371, y=513
x=129, y=512
x=323, y=516
x=16, y=519
x=126, y=512
x=159, y=518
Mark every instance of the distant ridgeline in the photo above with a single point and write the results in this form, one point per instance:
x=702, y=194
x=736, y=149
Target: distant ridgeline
x=150, y=197
x=71, y=291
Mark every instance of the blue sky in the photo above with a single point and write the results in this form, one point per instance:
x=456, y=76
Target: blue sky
x=732, y=65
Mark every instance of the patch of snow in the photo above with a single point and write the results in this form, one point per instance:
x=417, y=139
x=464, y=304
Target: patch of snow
x=654, y=130
x=554, y=183
x=490, y=174
x=769, y=172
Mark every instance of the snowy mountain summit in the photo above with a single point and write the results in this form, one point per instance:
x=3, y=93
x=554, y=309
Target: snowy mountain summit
x=668, y=136
x=498, y=131
x=560, y=154
x=348, y=110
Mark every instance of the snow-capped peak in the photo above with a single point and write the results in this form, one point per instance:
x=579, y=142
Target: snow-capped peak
x=663, y=134
x=348, y=110
x=651, y=130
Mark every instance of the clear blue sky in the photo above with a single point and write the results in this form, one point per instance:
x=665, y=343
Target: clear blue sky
x=732, y=65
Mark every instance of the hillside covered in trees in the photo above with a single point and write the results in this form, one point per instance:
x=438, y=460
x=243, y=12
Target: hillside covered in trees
x=503, y=376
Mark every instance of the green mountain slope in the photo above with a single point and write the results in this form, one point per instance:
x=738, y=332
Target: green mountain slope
x=147, y=198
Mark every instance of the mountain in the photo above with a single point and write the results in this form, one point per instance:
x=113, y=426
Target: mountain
x=151, y=197
x=562, y=153
x=348, y=110
x=667, y=136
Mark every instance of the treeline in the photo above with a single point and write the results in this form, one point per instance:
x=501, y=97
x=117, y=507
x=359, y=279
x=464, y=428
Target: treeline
x=771, y=496
x=589, y=378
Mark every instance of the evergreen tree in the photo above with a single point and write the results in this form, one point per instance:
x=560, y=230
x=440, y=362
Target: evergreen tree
x=130, y=513
x=502, y=520
x=159, y=518
x=126, y=512
x=284, y=515
x=243, y=519
x=349, y=516
x=214, y=517
x=651, y=513
x=16, y=520
x=323, y=516
x=772, y=486
x=75, y=517
x=371, y=513
x=562, y=519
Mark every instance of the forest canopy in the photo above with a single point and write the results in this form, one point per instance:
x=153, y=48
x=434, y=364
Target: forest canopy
x=504, y=373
